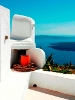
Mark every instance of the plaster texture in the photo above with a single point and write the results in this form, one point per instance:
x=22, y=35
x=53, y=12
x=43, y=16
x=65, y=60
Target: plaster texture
x=23, y=32
x=5, y=49
x=54, y=81
x=37, y=56
x=14, y=86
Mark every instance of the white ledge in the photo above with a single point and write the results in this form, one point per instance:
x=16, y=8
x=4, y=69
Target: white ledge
x=70, y=76
x=64, y=83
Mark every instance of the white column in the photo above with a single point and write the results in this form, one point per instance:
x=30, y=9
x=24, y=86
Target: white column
x=4, y=43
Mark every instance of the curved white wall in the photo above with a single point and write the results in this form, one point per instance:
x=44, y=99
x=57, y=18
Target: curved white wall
x=22, y=27
x=37, y=56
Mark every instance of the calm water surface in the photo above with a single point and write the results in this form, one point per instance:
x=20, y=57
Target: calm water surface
x=62, y=47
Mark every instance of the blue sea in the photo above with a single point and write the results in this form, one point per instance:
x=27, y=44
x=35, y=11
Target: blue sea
x=62, y=47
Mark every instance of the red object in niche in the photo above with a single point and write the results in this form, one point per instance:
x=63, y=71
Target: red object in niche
x=25, y=60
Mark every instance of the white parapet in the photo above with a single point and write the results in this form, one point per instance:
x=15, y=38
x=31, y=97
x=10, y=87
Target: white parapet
x=4, y=41
x=54, y=81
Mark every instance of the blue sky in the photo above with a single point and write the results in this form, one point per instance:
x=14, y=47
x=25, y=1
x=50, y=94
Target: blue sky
x=53, y=17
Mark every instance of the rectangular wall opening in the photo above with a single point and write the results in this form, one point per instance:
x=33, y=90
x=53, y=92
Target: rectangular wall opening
x=21, y=62
x=15, y=56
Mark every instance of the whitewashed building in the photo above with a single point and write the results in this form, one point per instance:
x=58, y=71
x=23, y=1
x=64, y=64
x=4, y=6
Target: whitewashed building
x=13, y=85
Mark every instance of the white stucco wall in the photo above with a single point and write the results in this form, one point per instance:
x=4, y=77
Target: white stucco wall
x=4, y=45
x=37, y=56
x=23, y=27
x=54, y=81
x=15, y=86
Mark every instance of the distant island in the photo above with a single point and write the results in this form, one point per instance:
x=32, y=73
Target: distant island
x=66, y=46
x=58, y=36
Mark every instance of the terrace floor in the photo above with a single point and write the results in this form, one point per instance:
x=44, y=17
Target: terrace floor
x=36, y=93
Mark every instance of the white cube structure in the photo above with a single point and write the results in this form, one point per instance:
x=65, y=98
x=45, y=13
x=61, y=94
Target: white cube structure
x=23, y=27
x=23, y=38
x=4, y=41
x=23, y=32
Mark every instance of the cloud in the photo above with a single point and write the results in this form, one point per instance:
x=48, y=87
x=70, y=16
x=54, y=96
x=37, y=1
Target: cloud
x=65, y=28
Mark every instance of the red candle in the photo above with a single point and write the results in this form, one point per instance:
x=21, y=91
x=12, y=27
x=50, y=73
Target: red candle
x=25, y=59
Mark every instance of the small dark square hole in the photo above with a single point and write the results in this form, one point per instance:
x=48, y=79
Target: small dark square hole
x=6, y=37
